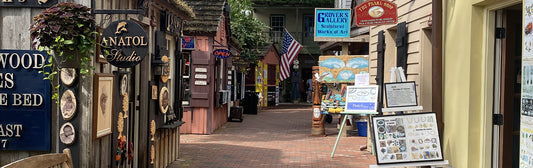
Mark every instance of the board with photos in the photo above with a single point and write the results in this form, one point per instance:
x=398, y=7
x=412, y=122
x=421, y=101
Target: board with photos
x=407, y=138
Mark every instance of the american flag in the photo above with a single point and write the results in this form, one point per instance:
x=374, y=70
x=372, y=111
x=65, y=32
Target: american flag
x=290, y=50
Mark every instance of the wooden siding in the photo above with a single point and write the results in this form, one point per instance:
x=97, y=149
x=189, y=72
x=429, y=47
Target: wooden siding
x=416, y=13
x=166, y=147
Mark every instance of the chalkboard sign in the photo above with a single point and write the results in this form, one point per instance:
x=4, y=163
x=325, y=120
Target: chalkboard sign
x=407, y=138
x=361, y=99
x=401, y=94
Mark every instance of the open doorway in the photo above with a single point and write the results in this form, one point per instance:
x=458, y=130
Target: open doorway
x=507, y=76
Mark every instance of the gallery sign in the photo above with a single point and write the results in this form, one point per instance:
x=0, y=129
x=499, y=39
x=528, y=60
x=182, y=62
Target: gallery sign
x=24, y=101
x=332, y=23
x=28, y=3
x=375, y=12
x=124, y=43
x=222, y=53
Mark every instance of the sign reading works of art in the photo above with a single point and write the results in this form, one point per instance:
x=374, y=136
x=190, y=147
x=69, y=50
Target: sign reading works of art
x=332, y=23
x=126, y=43
x=24, y=101
x=28, y=3
x=375, y=12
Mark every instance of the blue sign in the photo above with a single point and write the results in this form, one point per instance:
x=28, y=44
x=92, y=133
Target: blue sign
x=354, y=106
x=187, y=43
x=332, y=22
x=24, y=101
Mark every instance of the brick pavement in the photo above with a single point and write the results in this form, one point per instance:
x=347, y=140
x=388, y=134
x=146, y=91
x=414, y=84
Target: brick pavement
x=272, y=138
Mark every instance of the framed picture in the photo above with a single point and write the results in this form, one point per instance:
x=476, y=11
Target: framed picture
x=401, y=94
x=361, y=99
x=103, y=104
x=407, y=138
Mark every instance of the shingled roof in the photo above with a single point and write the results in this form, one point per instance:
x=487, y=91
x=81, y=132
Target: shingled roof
x=208, y=16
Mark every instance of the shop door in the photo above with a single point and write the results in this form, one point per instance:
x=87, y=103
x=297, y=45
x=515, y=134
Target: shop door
x=507, y=88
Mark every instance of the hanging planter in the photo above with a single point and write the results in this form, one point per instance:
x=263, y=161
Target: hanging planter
x=66, y=31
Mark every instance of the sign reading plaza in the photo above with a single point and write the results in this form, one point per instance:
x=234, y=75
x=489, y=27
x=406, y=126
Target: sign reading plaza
x=24, y=101
x=332, y=23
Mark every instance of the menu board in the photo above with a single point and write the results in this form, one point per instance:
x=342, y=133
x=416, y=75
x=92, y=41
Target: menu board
x=407, y=138
x=361, y=99
x=401, y=94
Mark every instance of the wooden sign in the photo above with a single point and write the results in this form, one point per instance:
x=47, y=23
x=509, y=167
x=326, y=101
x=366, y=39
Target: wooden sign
x=124, y=43
x=375, y=12
x=28, y=3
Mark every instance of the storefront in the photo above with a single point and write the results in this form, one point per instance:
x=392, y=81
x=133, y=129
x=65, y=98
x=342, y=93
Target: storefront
x=128, y=109
x=209, y=68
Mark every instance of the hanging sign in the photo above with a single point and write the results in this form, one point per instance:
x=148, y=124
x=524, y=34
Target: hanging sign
x=25, y=104
x=375, y=12
x=187, y=43
x=28, y=3
x=172, y=24
x=330, y=22
x=126, y=43
x=222, y=53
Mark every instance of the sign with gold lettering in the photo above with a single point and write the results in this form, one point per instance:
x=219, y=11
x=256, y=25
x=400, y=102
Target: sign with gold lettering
x=25, y=101
x=375, y=12
x=124, y=43
x=28, y=3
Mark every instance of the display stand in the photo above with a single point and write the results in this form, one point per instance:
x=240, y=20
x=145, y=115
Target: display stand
x=431, y=164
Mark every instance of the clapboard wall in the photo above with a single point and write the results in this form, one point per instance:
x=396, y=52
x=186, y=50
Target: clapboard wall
x=417, y=15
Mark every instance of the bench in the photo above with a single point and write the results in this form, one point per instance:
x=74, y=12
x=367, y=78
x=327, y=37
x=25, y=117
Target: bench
x=60, y=160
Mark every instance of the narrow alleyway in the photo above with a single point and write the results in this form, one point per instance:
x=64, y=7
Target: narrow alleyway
x=272, y=138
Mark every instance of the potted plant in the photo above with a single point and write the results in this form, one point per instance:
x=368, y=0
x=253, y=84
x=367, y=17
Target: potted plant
x=66, y=31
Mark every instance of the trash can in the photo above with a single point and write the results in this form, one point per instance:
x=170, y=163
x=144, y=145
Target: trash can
x=361, y=128
x=250, y=102
x=235, y=112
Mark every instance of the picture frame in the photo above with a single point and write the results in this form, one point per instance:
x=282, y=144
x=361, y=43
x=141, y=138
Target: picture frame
x=361, y=99
x=103, y=104
x=407, y=138
x=401, y=94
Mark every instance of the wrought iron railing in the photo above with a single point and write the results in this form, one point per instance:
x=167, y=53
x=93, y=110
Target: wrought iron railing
x=304, y=38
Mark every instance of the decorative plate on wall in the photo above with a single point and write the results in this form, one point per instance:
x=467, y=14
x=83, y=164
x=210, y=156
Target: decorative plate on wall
x=68, y=105
x=67, y=133
x=163, y=100
x=68, y=75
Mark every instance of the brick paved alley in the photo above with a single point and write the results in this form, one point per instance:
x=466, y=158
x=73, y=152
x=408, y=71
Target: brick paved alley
x=272, y=138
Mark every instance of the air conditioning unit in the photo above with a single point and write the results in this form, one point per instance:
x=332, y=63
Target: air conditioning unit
x=224, y=96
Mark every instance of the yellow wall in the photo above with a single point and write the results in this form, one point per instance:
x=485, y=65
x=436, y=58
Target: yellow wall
x=467, y=76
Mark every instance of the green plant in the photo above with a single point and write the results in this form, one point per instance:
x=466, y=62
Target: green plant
x=247, y=30
x=61, y=29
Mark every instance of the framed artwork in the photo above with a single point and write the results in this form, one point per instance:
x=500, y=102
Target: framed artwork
x=401, y=94
x=407, y=138
x=163, y=100
x=67, y=133
x=103, y=104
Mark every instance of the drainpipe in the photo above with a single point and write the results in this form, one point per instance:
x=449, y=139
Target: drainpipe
x=436, y=35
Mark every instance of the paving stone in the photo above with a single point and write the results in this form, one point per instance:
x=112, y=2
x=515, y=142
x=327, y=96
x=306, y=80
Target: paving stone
x=277, y=137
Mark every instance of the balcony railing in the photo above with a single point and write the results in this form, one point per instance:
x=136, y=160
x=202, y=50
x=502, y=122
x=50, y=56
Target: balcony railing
x=304, y=38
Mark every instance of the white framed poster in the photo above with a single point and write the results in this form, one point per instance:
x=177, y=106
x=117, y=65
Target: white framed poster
x=407, y=138
x=361, y=99
x=401, y=94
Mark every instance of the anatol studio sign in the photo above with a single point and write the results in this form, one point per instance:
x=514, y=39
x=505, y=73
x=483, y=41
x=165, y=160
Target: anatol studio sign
x=331, y=22
x=126, y=43
x=376, y=12
x=25, y=101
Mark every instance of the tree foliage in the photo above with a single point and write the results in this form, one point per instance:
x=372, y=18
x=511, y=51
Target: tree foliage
x=247, y=29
